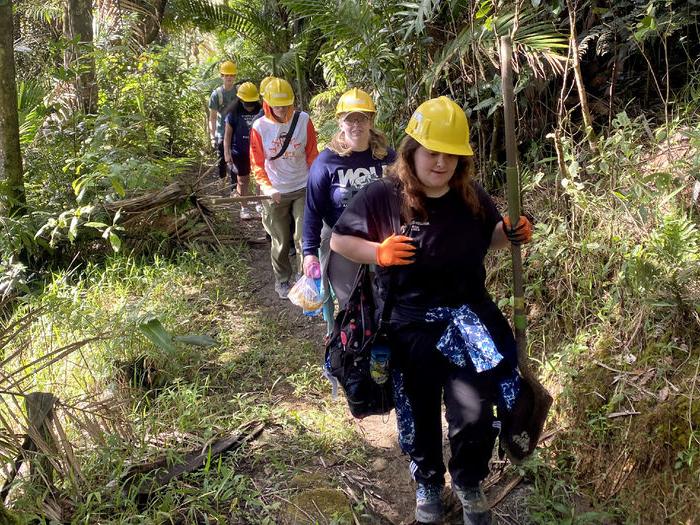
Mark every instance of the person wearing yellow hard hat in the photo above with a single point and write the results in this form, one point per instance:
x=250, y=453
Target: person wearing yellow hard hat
x=263, y=84
x=240, y=116
x=282, y=148
x=219, y=100
x=427, y=227
x=356, y=155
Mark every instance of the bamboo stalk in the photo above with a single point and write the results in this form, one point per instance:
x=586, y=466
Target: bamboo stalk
x=213, y=201
x=514, y=207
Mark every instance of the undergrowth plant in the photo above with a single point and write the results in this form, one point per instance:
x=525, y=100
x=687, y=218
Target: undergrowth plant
x=147, y=130
x=159, y=389
x=612, y=283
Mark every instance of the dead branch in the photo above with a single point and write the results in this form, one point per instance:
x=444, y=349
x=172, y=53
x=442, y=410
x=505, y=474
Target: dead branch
x=153, y=211
x=194, y=459
x=39, y=437
x=505, y=491
x=623, y=414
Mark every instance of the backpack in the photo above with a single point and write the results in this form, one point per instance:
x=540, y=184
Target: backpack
x=348, y=351
x=521, y=427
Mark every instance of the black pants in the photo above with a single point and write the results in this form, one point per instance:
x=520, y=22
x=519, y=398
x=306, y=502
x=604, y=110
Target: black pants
x=222, y=159
x=429, y=378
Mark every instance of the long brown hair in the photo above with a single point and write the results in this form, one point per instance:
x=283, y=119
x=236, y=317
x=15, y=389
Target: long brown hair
x=377, y=143
x=413, y=199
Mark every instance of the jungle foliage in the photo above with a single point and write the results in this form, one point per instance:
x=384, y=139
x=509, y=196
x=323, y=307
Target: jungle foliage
x=612, y=276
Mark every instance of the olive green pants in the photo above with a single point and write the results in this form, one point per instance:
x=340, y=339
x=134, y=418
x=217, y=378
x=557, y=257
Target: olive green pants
x=278, y=220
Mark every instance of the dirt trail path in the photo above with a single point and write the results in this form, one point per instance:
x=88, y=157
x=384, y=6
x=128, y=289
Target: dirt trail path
x=389, y=470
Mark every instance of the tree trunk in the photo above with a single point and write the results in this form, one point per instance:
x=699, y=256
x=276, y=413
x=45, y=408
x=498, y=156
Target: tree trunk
x=150, y=23
x=12, y=200
x=78, y=56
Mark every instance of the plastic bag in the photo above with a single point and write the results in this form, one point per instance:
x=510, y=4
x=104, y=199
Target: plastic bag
x=306, y=293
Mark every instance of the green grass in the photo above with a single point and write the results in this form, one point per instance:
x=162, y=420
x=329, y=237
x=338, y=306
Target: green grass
x=260, y=370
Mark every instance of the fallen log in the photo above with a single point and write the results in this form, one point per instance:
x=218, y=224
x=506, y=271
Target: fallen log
x=192, y=461
x=171, y=194
x=183, y=211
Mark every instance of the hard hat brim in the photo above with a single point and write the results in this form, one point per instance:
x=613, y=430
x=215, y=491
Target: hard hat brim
x=441, y=147
x=248, y=99
x=280, y=103
x=363, y=111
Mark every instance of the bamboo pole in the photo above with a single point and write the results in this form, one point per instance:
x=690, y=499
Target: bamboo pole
x=534, y=399
x=514, y=207
x=213, y=201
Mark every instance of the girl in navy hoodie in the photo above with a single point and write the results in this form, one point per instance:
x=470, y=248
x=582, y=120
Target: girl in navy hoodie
x=356, y=156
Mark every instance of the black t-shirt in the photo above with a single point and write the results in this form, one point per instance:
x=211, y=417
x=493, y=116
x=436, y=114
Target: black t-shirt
x=450, y=247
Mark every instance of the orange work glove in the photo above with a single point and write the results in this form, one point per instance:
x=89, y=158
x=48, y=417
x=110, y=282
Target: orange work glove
x=395, y=250
x=521, y=234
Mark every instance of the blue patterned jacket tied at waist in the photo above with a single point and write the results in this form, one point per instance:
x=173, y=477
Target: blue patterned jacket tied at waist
x=466, y=340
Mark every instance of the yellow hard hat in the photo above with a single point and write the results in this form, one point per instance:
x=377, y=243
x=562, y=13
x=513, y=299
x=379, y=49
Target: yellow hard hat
x=247, y=92
x=263, y=84
x=439, y=124
x=278, y=92
x=228, y=68
x=355, y=100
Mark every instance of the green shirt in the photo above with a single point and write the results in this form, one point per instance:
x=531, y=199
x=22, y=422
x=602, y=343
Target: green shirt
x=220, y=98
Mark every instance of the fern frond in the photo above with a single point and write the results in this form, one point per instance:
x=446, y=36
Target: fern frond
x=207, y=15
x=416, y=15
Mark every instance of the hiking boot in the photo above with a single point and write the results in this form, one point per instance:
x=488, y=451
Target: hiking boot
x=245, y=213
x=475, y=508
x=282, y=289
x=428, y=503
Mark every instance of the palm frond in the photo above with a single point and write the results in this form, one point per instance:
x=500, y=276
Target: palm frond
x=30, y=93
x=536, y=39
x=208, y=15
x=339, y=21
x=415, y=15
x=455, y=48
x=30, y=124
x=46, y=12
x=140, y=7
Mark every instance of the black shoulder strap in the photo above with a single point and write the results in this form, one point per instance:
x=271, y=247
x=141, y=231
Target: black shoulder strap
x=393, y=205
x=395, y=212
x=288, y=138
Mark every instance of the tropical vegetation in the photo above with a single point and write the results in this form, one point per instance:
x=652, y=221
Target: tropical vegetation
x=135, y=306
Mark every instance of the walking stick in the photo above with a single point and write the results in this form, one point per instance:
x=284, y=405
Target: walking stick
x=530, y=413
x=514, y=208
